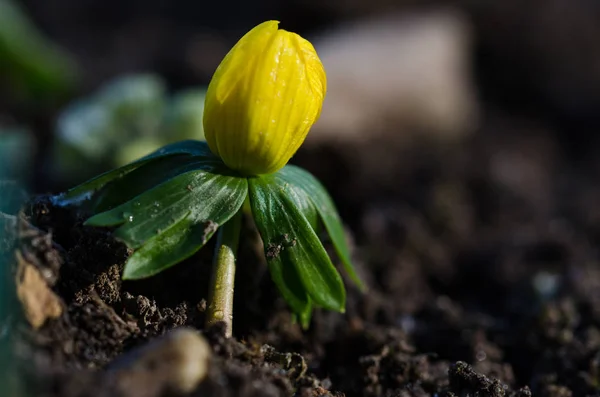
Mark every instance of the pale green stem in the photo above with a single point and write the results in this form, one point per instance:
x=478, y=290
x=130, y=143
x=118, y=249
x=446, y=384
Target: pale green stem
x=220, y=306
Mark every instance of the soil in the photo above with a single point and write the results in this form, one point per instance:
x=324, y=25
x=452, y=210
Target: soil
x=481, y=261
x=482, y=282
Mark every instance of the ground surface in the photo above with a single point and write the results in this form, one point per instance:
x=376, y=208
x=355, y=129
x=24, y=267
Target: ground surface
x=465, y=263
x=482, y=258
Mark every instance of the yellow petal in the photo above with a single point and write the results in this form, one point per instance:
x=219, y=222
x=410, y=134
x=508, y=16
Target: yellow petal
x=262, y=100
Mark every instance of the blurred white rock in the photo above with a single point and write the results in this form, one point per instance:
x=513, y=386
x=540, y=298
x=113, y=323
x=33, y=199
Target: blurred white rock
x=397, y=78
x=174, y=364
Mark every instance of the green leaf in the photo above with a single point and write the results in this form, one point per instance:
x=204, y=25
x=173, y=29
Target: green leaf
x=145, y=178
x=305, y=316
x=172, y=246
x=291, y=243
x=87, y=189
x=203, y=194
x=302, y=200
x=324, y=205
x=288, y=281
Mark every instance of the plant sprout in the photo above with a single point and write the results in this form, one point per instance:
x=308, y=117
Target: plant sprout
x=260, y=104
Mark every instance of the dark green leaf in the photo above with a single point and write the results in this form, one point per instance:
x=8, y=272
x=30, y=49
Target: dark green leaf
x=168, y=248
x=206, y=194
x=290, y=241
x=302, y=200
x=326, y=208
x=290, y=278
x=287, y=280
x=305, y=316
x=145, y=178
x=87, y=189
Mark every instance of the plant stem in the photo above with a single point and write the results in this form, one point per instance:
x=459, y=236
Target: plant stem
x=220, y=307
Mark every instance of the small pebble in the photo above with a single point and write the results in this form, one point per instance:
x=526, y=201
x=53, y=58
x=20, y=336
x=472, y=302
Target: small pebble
x=177, y=362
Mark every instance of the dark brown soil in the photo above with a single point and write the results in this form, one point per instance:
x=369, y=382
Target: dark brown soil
x=482, y=282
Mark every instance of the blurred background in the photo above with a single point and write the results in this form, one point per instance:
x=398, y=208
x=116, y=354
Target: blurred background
x=101, y=83
x=458, y=138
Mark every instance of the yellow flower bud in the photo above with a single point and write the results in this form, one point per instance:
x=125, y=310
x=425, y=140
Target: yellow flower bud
x=262, y=100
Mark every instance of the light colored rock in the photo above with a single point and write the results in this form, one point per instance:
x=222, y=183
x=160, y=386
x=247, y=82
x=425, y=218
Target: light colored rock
x=177, y=362
x=397, y=76
x=39, y=302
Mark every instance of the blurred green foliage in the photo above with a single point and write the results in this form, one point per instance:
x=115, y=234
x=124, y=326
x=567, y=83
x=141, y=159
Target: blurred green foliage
x=125, y=119
x=31, y=65
x=16, y=153
x=12, y=196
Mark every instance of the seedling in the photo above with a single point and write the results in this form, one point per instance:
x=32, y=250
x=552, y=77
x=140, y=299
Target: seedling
x=260, y=105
